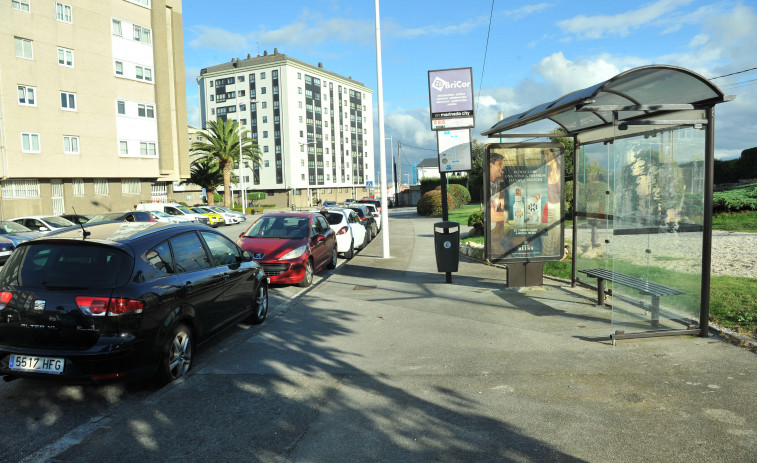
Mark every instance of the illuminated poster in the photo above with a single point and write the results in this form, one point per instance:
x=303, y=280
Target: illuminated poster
x=525, y=202
x=454, y=150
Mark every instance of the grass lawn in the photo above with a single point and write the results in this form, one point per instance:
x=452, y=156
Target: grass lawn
x=733, y=300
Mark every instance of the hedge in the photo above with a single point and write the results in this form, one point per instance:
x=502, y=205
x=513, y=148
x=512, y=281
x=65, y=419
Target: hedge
x=430, y=203
x=460, y=194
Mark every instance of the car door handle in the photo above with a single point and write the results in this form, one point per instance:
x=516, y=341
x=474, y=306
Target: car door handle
x=188, y=286
x=225, y=276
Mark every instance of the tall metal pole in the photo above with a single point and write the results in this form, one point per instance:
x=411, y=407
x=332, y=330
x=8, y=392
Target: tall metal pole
x=242, y=190
x=382, y=149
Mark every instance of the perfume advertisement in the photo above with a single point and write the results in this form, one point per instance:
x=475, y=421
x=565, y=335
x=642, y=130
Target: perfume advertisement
x=525, y=201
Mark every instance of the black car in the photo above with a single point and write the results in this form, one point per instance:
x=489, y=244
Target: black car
x=371, y=227
x=122, y=300
x=76, y=218
x=374, y=201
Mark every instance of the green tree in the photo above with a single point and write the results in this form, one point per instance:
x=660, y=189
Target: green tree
x=221, y=146
x=567, y=143
x=206, y=174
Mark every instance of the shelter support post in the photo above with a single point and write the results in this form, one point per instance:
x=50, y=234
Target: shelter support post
x=709, y=179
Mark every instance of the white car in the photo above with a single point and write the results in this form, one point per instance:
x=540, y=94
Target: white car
x=223, y=210
x=43, y=223
x=350, y=231
x=163, y=217
x=229, y=218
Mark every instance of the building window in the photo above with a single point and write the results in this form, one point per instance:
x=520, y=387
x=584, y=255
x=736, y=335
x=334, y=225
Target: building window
x=65, y=57
x=30, y=142
x=266, y=162
x=262, y=75
x=70, y=144
x=78, y=185
x=123, y=147
x=68, y=101
x=212, y=97
x=146, y=110
x=26, y=95
x=21, y=189
x=302, y=163
x=101, y=187
x=147, y=149
x=23, y=48
x=145, y=3
x=131, y=186
x=119, y=68
x=144, y=73
x=63, y=12
x=265, y=105
x=265, y=134
x=22, y=5
x=262, y=90
x=116, y=27
x=142, y=34
x=265, y=119
x=121, y=107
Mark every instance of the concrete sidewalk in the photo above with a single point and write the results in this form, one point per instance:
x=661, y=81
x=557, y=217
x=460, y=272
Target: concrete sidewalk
x=383, y=361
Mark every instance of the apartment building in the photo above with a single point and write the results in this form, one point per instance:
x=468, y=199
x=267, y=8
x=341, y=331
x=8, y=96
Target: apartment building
x=92, y=105
x=314, y=127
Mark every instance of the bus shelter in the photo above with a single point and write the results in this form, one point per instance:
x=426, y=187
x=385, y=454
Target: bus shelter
x=642, y=193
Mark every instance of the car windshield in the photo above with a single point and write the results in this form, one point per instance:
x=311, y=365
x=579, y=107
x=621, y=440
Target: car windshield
x=159, y=214
x=67, y=266
x=106, y=217
x=200, y=211
x=58, y=222
x=360, y=212
x=333, y=218
x=12, y=227
x=279, y=227
x=184, y=209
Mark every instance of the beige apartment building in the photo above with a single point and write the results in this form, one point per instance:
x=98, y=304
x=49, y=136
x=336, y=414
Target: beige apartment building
x=92, y=105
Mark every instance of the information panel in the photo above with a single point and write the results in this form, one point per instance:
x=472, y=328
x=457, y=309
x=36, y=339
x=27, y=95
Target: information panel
x=450, y=94
x=525, y=202
x=454, y=150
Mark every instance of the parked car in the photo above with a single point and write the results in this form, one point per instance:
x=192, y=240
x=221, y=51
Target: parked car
x=174, y=209
x=367, y=218
x=223, y=210
x=350, y=231
x=6, y=249
x=76, y=218
x=376, y=215
x=130, y=216
x=376, y=202
x=43, y=223
x=229, y=218
x=160, y=216
x=12, y=234
x=348, y=201
x=125, y=300
x=330, y=204
x=214, y=218
x=291, y=246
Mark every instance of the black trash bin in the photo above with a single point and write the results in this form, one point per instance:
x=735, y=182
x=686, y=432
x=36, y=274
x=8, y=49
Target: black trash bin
x=447, y=246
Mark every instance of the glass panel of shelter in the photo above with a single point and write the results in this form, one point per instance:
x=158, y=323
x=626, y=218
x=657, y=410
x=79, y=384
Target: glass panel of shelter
x=655, y=242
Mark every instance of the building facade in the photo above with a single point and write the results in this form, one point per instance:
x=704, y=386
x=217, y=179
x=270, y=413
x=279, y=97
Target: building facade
x=314, y=127
x=92, y=105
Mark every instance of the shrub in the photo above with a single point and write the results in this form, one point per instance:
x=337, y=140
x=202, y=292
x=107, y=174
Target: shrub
x=476, y=220
x=460, y=194
x=430, y=203
x=743, y=198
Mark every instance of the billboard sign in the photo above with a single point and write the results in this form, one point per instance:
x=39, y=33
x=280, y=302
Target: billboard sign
x=454, y=150
x=450, y=97
x=525, y=215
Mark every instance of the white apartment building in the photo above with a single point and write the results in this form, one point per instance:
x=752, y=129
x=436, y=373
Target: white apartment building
x=92, y=105
x=314, y=127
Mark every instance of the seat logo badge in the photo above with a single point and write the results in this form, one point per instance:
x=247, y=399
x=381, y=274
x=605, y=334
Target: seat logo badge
x=258, y=255
x=39, y=304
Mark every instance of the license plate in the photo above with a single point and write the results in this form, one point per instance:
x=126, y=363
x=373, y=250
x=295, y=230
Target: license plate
x=6, y=253
x=36, y=364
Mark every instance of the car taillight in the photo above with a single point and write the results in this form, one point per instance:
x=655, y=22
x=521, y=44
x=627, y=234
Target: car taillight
x=100, y=306
x=343, y=230
x=5, y=297
x=364, y=219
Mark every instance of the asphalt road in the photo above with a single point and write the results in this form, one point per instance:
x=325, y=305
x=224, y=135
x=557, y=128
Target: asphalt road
x=44, y=416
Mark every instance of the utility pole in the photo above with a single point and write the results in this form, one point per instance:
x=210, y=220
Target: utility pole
x=399, y=163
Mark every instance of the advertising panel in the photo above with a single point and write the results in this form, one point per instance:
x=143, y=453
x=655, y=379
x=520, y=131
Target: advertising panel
x=450, y=97
x=454, y=150
x=525, y=198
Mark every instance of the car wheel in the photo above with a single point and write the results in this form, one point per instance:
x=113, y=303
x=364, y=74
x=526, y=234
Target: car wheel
x=351, y=252
x=176, y=358
x=332, y=262
x=261, y=305
x=308, y=280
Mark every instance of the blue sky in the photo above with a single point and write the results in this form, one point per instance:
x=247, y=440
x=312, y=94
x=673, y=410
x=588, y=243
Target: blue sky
x=536, y=52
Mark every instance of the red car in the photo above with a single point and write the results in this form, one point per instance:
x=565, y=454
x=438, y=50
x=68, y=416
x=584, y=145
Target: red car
x=291, y=246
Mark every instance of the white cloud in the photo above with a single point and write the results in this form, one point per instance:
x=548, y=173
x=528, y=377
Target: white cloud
x=215, y=38
x=309, y=30
x=596, y=27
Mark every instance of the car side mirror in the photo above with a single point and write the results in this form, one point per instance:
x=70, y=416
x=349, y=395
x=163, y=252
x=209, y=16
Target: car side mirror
x=246, y=256
x=43, y=229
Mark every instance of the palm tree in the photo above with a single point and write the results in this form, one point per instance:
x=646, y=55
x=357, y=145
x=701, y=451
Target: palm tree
x=205, y=173
x=221, y=146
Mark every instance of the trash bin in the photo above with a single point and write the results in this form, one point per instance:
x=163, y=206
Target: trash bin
x=294, y=208
x=447, y=246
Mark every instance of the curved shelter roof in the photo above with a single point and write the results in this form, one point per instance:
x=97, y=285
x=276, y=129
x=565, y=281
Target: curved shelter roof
x=645, y=92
